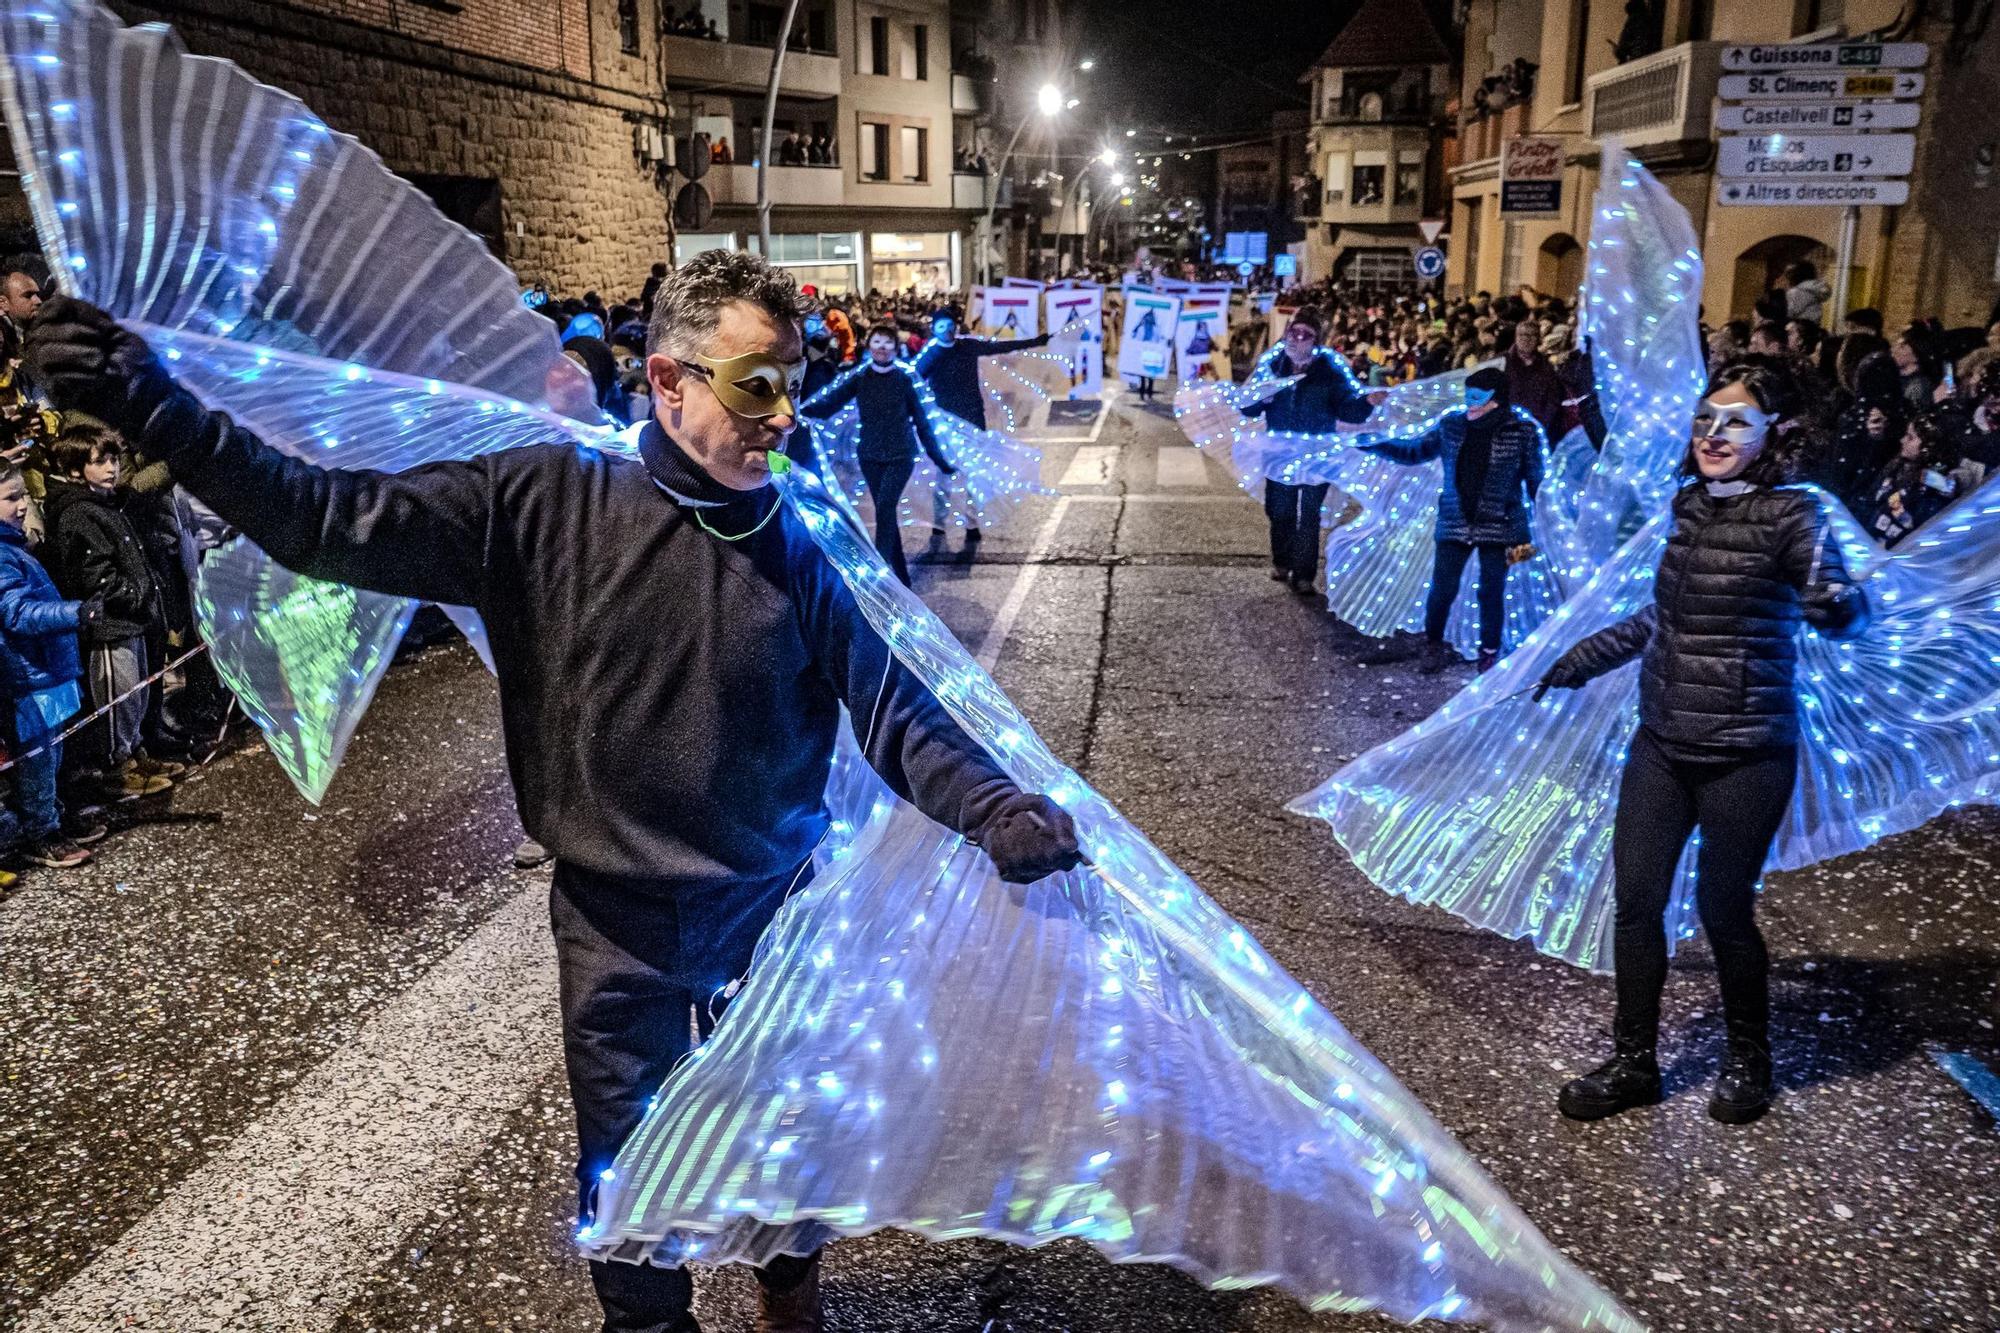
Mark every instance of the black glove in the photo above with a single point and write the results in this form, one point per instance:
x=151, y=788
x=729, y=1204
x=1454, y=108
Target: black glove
x=90, y=613
x=88, y=363
x=944, y=467
x=1029, y=837
x=1830, y=607
x=1564, y=675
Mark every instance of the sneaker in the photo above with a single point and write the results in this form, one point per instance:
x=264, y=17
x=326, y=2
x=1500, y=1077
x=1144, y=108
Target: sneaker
x=8, y=879
x=129, y=784
x=55, y=853
x=1743, y=1089
x=1279, y=574
x=1303, y=585
x=531, y=854
x=1435, y=659
x=795, y=1307
x=157, y=768
x=1627, y=1079
x=85, y=831
x=973, y=536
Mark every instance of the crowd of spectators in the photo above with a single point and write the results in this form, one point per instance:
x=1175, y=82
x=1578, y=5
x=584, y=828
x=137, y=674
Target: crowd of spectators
x=690, y=23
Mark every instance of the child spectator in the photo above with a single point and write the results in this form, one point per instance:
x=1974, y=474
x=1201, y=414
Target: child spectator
x=39, y=666
x=95, y=554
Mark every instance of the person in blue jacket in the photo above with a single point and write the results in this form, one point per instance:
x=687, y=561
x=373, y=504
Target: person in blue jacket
x=1492, y=455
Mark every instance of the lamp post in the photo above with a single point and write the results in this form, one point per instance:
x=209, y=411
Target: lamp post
x=770, y=116
x=1117, y=188
x=1108, y=157
x=1049, y=102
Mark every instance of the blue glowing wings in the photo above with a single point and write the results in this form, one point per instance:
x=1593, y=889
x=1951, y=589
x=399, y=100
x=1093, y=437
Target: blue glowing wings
x=1186, y=1101
x=993, y=469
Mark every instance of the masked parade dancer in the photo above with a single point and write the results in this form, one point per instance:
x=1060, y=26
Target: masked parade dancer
x=1492, y=455
x=1325, y=396
x=950, y=362
x=1717, y=746
x=636, y=607
x=893, y=426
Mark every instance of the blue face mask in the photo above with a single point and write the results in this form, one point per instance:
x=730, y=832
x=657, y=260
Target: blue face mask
x=1478, y=397
x=815, y=327
x=943, y=329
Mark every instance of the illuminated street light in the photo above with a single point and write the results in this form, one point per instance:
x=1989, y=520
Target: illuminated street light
x=1117, y=180
x=1086, y=64
x=1049, y=99
x=1130, y=134
x=1109, y=157
x=1074, y=103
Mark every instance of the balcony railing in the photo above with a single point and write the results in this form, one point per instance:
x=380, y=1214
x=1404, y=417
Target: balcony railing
x=1659, y=99
x=968, y=95
x=1480, y=140
x=698, y=62
x=791, y=187
x=968, y=190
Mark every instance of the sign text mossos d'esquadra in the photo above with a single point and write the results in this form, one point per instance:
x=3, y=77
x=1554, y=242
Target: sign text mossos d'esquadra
x=1798, y=116
x=1828, y=55
x=1816, y=87
x=1777, y=156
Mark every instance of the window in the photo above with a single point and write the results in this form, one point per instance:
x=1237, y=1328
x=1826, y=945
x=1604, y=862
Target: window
x=921, y=41
x=1030, y=19
x=688, y=244
x=1369, y=182
x=1579, y=52
x=878, y=46
x=874, y=150
x=1336, y=179
x=1512, y=251
x=628, y=27
x=1701, y=21
x=916, y=153
x=1815, y=15
x=906, y=53
x=1409, y=178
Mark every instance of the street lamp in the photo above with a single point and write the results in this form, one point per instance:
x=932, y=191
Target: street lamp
x=1086, y=64
x=1049, y=101
x=1109, y=157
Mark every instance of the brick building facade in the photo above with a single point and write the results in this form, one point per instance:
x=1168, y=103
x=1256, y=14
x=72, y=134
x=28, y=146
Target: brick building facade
x=526, y=120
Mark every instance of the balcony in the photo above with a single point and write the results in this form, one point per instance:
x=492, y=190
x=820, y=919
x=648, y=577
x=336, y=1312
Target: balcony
x=696, y=62
x=791, y=187
x=1479, y=141
x=968, y=95
x=968, y=191
x=1662, y=99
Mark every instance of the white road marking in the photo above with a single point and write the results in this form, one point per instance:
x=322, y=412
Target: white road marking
x=1024, y=582
x=282, y=1228
x=1091, y=466
x=1181, y=465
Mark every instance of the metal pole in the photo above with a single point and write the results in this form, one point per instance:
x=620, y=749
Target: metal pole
x=770, y=119
x=1850, y=219
x=992, y=201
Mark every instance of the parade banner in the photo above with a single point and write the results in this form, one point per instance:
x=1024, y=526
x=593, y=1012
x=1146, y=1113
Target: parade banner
x=1084, y=307
x=1006, y=312
x=1202, y=327
x=1023, y=284
x=1146, y=346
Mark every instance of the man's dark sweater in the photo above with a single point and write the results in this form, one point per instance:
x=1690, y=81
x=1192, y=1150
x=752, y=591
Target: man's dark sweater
x=953, y=371
x=669, y=698
x=893, y=423
x=1326, y=395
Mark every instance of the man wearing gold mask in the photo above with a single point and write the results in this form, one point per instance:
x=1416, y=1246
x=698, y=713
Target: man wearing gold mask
x=673, y=653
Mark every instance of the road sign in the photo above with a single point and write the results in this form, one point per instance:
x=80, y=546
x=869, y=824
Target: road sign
x=1808, y=87
x=1245, y=269
x=1432, y=228
x=1776, y=156
x=1531, y=176
x=1812, y=193
x=1799, y=116
x=1284, y=266
x=1429, y=262
x=1829, y=55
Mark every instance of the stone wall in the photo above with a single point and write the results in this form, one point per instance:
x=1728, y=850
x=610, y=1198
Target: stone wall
x=544, y=102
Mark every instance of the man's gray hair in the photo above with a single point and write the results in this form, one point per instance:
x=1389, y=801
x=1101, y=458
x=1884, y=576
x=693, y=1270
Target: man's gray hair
x=690, y=300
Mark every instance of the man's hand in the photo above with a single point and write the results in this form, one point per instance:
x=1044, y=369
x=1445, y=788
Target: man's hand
x=88, y=363
x=90, y=612
x=1564, y=675
x=1830, y=607
x=1378, y=397
x=1029, y=837
x=1522, y=554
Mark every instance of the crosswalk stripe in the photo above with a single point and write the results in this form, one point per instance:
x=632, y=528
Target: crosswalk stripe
x=1181, y=466
x=283, y=1227
x=1092, y=466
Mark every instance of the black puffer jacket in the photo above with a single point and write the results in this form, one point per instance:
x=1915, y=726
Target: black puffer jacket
x=94, y=551
x=1509, y=480
x=1720, y=641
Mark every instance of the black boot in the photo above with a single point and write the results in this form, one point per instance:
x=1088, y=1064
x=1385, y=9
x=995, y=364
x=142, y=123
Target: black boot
x=1629, y=1078
x=1435, y=659
x=1743, y=1089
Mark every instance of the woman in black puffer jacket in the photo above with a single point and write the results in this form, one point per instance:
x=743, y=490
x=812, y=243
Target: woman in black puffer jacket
x=1492, y=455
x=1717, y=746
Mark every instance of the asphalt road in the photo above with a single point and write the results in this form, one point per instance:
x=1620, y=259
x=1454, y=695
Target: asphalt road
x=271, y=1068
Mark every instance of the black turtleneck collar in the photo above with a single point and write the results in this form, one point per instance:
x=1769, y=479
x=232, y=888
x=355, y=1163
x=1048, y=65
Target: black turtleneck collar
x=682, y=478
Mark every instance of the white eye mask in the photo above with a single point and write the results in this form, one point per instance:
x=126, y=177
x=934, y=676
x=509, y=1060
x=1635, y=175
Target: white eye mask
x=1738, y=423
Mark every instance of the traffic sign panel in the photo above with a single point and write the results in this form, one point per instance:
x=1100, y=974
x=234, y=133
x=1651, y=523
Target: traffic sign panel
x=1792, y=194
x=1775, y=156
x=1828, y=55
x=1796, y=116
x=1809, y=87
x=1429, y=262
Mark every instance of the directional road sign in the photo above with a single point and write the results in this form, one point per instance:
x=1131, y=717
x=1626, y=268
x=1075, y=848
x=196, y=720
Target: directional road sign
x=1807, y=87
x=1778, y=156
x=1796, y=117
x=1829, y=55
x=1790, y=194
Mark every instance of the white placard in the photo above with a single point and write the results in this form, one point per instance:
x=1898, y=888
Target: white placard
x=1146, y=348
x=1779, y=156
x=1828, y=55
x=1083, y=306
x=1203, y=323
x=1804, y=117
x=1007, y=312
x=1811, y=193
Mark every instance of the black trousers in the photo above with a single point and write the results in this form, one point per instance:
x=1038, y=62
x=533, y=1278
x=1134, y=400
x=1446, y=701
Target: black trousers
x=643, y=965
x=1737, y=804
x=885, y=483
x=1294, y=515
x=1449, y=570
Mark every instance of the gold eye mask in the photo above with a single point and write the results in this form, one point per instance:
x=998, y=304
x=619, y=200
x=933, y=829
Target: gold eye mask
x=754, y=385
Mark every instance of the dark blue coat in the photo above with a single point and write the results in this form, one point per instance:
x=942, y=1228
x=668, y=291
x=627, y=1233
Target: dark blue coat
x=1325, y=396
x=1513, y=475
x=37, y=627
